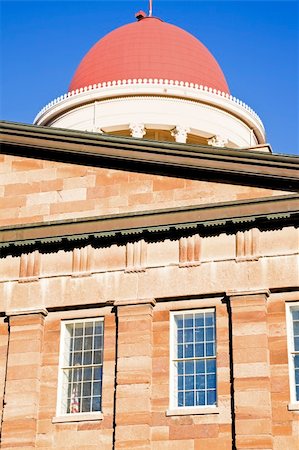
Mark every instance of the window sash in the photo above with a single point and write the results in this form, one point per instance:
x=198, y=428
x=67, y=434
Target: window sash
x=201, y=390
x=83, y=394
x=292, y=352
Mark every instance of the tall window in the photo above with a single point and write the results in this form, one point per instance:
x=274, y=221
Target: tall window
x=81, y=366
x=193, y=359
x=293, y=346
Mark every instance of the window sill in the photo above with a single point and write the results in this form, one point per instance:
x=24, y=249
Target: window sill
x=293, y=406
x=80, y=417
x=193, y=410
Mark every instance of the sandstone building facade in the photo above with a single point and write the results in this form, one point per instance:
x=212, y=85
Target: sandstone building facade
x=149, y=287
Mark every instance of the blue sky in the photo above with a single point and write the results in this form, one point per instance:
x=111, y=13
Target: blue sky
x=255, y=42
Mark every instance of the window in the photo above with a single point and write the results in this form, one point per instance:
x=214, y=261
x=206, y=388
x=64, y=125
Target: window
x=293, y=346
x=193, y=359
x=81, y=367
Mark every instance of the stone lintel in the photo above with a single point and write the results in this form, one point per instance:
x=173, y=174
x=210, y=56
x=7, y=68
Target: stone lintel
x=135, y=302
x=23, y=312
x=245, y=294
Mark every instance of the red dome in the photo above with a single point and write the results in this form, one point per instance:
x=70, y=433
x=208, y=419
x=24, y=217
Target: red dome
x=149, y=48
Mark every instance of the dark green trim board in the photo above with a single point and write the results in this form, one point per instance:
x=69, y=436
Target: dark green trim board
x=207, y=219
x=254, y=168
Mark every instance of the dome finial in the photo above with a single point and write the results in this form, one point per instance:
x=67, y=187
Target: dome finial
x=150, y=11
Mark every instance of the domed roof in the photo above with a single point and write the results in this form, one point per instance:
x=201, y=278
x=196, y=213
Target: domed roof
x=149, y=48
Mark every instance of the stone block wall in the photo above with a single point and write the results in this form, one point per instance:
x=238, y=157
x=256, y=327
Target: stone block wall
x=248, y=277
x=136, y=376
x=37, y=191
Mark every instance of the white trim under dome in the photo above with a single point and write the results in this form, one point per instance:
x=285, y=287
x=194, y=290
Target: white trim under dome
x=164, y=104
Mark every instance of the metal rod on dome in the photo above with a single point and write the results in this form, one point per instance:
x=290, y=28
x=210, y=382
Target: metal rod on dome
x=150, y=12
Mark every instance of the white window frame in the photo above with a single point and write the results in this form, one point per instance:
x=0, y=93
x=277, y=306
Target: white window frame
x=196, y=409
x=59, y=412
x=294, y=404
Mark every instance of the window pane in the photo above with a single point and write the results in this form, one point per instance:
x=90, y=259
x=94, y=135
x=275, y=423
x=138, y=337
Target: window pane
x=180, y=336
x=189, y=351
x=77, y=374
x=77, y=360
x=211, y=365
x=78, y=329
x=188, y=335
x=87, y=358
x=180, y=351
x=97, y=387
x=88, y=343
x=199, y=334
x=86, y=389
x=87, y=374
x=180, y=367
x=200, y=366
x=209, y=334
x=210, y=350
x=296, y=344
x=199, y=320
x=96, y=404
x=78, y=342
x=200, y=382
x=295, y=314
x=189, y=398
x=211, y=381
x=188, y=321
x=180, y=383
x=70, y=361
x=200, y=398
x=179, y=321
x=99, y=327
x=70, y=330
x=181, y=399
x=211, y=397
x=189, y=367
x=98, y=342
x=86, y=403
x=296, y=328
x=209, y=319
x=88, y=329
x=97, y=373
x=199, y=350
x=189, y=383
x=97, y=357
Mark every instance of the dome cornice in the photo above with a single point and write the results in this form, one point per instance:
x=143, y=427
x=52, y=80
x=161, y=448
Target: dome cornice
x=152, y=87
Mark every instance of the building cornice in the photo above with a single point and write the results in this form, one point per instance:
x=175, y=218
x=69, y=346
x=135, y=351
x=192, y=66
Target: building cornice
x=204, y=219
x=245, y=166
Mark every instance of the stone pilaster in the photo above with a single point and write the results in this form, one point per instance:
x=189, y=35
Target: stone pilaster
x=136, y=256
x=3, y=361
x=251, y=370
x=190, y=250
x=134, y=374
x=22, y=379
